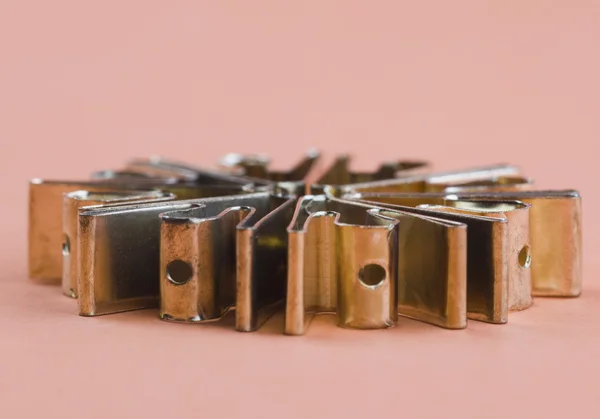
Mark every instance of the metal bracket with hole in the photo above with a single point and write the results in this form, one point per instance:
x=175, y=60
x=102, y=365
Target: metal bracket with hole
x=225, y=253
x=349, y=258
x=497, y=232
x=555, y=252
x=73, y=203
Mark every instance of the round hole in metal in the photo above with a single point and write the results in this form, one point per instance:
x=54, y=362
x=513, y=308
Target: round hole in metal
x=179, y=272
x=66, y=247
x=525, y=257
x=372, y=275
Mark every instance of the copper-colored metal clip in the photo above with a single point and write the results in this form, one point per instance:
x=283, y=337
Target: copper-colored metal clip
x=555, y=252
x=75, y=202
x=224, y=253
x=352, y=259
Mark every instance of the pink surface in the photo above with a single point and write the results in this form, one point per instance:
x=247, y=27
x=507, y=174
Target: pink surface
x=460, y=83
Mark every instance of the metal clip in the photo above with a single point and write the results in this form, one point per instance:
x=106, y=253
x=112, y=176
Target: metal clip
x=341, y=259
x=224, y=253
x=84, y=200
x=555, y=254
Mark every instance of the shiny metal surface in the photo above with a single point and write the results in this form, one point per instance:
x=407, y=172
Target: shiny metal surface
x=556, y=239
x=119, y=253
x=119, y=258
x=492, y=184
x=262, y=265
x=485, y=245
x=82, y=200
x=432, y=181
x=486, y=248
x=45, y=223
x=440, y=247
x=424, y=258
x=432, y=268
x=224, y=246
x=46, y=204
x=257, y=166
x=339, y=173
x=518, y=257
x=341, y=259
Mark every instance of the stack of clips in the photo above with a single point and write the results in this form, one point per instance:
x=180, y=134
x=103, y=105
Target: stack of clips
x=439, y=247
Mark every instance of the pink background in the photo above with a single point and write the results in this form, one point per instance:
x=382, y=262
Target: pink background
x=87, y=87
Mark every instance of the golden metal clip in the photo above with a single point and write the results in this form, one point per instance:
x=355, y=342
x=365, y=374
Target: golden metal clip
x=340, y=259
x=224, y=253
x=84, y=200
x=361, y=261
x=555, y=252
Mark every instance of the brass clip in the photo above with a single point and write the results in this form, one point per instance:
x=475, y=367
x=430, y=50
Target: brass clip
x=224, y=253
x=85, y=200
x=341, y=259
x=555, y=253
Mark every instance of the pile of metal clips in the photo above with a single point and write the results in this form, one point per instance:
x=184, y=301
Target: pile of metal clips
x=403, y=240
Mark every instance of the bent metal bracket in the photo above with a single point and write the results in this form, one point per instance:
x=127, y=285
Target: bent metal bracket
x=439, y=247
